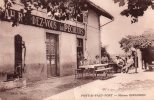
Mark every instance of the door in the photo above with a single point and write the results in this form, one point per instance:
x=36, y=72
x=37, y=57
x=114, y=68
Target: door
x=51, y=54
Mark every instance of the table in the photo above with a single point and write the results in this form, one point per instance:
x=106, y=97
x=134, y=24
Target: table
x=93, y=66
x=92, y=69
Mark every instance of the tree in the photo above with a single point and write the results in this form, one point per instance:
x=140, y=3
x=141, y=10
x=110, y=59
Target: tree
x=138, y=42
x=142, y=42
x=135, y=8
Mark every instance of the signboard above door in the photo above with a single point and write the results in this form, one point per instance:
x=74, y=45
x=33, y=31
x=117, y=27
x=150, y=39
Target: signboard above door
x=42, y=22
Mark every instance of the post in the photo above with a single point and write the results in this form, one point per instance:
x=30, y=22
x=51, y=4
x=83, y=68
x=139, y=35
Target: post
x=140, y=63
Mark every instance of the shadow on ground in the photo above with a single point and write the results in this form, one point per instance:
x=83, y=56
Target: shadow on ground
x=149, y=70
x=46, y=88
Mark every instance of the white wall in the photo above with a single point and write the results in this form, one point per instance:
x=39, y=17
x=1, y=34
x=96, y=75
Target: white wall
x=6, y=48
x=35, y=47
x=34, y=38
x=93, y=36
x=68, y=56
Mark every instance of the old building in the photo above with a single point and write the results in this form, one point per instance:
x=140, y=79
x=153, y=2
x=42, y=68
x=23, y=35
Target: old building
x=45, y=47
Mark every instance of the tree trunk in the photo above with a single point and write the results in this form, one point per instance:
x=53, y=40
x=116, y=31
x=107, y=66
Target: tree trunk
x=140, y=62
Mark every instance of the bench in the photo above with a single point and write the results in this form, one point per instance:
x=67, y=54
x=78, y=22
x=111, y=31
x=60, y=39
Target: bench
x=79, y=72
x=101, y=70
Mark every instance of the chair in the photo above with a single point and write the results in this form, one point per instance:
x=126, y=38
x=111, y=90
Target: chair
x=79, y=72
x=90, y=71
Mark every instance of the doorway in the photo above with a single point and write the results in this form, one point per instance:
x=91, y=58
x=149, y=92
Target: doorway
x=80, y=55
x=51, y=54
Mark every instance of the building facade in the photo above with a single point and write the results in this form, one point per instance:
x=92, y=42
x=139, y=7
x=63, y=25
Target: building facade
x=46, y=48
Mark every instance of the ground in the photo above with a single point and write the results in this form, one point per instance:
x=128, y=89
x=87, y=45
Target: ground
x=137, y=86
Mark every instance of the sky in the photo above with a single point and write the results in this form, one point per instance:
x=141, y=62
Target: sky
x=112, y=33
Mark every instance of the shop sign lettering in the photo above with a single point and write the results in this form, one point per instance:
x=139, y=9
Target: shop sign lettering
x=43, y=22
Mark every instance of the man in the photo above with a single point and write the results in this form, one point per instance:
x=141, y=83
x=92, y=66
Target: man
x=120, y=63
x=129, y=63
x=104, y=59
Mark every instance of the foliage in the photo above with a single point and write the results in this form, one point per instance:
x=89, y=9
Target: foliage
x=135, y=8
x=138, y=42
x=55, y=9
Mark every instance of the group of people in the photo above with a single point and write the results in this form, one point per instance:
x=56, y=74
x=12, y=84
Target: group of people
x=83, y=61
x=124, y=65
x=56, y=9
x=60, y=9
x=65, y=10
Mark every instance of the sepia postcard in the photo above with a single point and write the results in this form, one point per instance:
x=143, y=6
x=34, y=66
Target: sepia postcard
x=76, y=49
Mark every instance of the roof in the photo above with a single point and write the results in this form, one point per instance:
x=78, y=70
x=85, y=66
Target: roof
x=99, y=10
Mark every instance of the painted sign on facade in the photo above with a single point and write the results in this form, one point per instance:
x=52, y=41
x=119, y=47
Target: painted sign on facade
x=37, y=21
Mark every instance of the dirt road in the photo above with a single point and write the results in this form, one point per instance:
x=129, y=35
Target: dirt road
x=122, y=86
